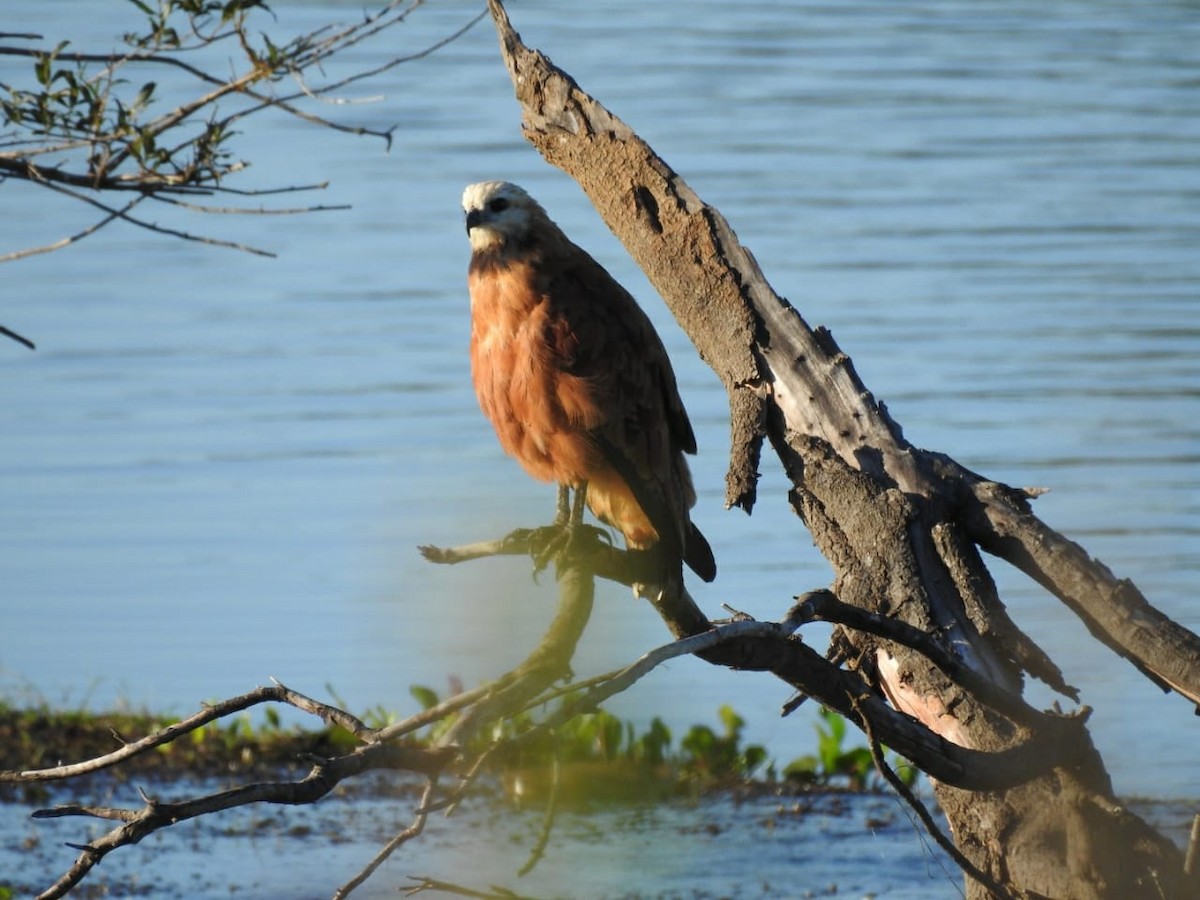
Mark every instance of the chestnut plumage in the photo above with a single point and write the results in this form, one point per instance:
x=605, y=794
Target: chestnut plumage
x=574, y=378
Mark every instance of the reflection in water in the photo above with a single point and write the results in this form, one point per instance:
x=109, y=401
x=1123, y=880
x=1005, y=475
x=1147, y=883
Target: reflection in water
x=672, y=849
x=216, y=468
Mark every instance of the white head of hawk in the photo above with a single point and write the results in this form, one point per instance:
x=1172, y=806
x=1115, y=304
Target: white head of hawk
x=498, y=212
x=573, y=377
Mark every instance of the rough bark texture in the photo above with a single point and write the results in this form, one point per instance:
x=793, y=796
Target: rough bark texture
x=902, y=527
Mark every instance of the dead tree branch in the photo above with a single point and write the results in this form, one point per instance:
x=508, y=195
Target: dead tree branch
x=425, y=883
x=411, y=832
x=454, y=753
x=750, y=644
x=996, y=890
x=903, y=527
x=799, y=382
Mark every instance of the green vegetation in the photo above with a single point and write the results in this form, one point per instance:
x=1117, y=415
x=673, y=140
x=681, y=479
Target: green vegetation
x=833, y=763
x=596, y=755
x=603, y=757
x=41, y=737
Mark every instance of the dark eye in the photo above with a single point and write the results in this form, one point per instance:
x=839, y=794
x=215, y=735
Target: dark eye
x=498, y=205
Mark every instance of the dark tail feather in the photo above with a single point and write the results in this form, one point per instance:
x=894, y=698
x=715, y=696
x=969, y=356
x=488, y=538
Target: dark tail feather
x=696, y=552
x=698, y=555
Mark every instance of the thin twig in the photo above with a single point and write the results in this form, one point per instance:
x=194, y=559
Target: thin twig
x=539, y=849
x=78, y=236
x=20, y=339
x=163, y=736
x=412, y=831
x=652, y=659
x=123, y=214
x=447, y=887
x=392, y=63
x=1191, y=861
x=435, y=713
x=451, y=801
x=247, y=211
x=276, y=693
x=931, y=826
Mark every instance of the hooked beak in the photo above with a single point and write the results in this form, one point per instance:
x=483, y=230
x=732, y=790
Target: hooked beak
x=474, y=217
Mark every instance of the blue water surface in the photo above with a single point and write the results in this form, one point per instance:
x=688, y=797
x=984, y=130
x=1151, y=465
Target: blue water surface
x=216, y=467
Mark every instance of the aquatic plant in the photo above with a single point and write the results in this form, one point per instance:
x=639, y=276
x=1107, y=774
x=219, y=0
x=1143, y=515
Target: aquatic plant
x=834, y=764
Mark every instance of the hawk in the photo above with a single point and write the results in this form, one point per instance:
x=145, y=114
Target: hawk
x=574, y=378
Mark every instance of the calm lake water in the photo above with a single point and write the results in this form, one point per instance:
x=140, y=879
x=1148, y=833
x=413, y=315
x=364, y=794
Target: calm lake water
x=216, y=467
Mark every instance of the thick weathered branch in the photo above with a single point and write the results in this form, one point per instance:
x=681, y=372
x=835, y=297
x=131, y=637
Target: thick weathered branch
x=823, y=606
x=1114, y=610
x=1059, y=741
x=759, y=344
x=901, y=526
x=772, y=646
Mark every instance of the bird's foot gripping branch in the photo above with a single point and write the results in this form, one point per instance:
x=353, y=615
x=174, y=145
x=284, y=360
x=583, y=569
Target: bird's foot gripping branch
x=565, y=545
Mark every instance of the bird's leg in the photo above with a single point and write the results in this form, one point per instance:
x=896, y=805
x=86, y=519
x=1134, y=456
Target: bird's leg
x=562, y=507
x=580, y=502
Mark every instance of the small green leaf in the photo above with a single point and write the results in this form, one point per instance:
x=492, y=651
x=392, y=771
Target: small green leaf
x=427, y=697
x=753, y=757
x=144, y=95
x=804, y=769
x=731, y=720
